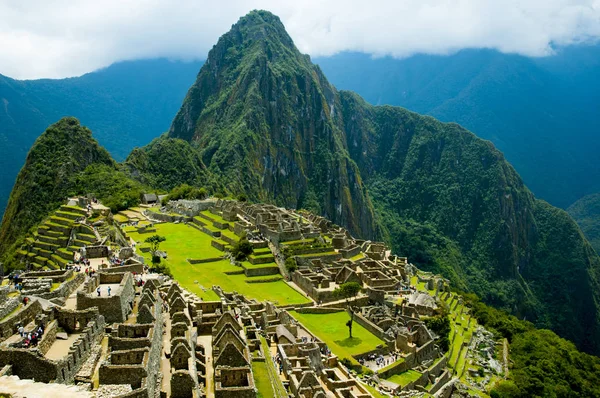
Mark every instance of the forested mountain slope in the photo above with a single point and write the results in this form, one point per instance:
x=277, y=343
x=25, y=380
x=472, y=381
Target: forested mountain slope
x=542, y=113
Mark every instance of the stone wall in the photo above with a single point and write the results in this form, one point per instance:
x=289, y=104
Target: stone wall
x=66, y=288
x=48, y=338
x=9, y=306
x=24, y=316
x=29, y=364
x=114, y=308
x=97, y=251
x=263, y=271
x=137, y=268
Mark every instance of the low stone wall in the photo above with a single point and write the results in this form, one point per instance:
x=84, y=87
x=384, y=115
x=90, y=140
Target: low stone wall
x=163, y=217
x=326, y=258
x=217, y=245
x=9, y=306
x=48, y=338
x=66, y=288
x=318, y=310
x=264, y=271
x=309, y=250
x=114, y=308
x=203, y=260
x=266, y=280
x=370, y=326
x=24, y=316
x=29, y=364
x=57, y=276
x=261, y=260
x=350, y=252
x=137, y=268
x=443, y=379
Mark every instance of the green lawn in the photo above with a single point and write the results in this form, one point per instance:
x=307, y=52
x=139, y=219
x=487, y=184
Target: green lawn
x=184, y=241
x=332, y=329
x=262, y=380
x=404, y=378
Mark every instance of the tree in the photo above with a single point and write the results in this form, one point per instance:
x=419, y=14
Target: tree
x=242, y=249
x=290, y=264
x=154, y=242
x=348, y=291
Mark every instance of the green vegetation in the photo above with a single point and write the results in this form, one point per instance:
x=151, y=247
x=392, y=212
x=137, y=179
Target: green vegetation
x=404, y=378
x=440, y=325
x=347, y=291
x=543, y=364
x=586, y=211
x=184, y=242
x=184, y=191
x=109, y=185
x=331, y=329
x=65, y=149
x=242, y=249
x=154, y=241
x=262, y=380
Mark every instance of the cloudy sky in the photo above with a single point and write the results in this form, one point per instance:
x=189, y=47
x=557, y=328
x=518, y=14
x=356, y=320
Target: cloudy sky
x=60, y=38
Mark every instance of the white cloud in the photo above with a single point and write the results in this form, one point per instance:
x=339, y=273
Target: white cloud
x=59, y=38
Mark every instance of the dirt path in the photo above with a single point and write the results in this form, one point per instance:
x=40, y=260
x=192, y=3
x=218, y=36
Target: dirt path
x=206, y=341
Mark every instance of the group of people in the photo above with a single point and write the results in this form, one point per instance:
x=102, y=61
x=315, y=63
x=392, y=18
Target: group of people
x=31, y=339
x=379, y=359
x=99, y=291
x=90, y=272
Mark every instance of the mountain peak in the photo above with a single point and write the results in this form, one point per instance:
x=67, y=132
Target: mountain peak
x=259, y=26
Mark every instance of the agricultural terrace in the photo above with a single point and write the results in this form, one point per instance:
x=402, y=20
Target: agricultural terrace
x=332, y=330
x=184, y=242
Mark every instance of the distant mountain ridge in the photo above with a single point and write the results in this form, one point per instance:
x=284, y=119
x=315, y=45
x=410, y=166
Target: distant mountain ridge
x=542, y=113
x=126, y=105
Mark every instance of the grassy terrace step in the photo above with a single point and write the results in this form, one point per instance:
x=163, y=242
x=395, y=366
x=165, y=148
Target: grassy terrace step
x=49, y=239
x=43, y=253
x=40, y=260
x=73, y=209
x=65, y=254
x=68, y=215
x=79, y=243
x=61, y=221
x=59, y=227
x=86, y=237
x=46, y=231
x=58, y=260
x=46, y=246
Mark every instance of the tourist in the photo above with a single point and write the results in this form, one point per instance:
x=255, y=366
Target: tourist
x=21, y=330
x=98, y=291
x=109, y=289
